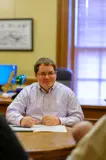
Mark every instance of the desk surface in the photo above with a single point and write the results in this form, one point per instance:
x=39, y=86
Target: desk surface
x=47, y=145
x=5, y=101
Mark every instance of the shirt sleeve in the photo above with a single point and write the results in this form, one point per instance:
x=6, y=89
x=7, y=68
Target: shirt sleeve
x=75, y=113
x=16, y=110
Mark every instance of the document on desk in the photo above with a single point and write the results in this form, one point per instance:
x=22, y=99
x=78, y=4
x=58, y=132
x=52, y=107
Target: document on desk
x=58, y=128
x=20, y=129
x=40, y=128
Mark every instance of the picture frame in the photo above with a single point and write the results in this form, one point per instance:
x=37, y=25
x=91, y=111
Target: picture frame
x=16, y=34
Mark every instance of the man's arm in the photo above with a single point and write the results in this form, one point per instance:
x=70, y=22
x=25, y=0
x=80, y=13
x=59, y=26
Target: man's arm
x=74, y=111
x=16, y=110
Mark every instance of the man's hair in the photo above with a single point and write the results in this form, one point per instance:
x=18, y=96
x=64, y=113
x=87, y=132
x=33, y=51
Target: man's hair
x=45, y=61
x=81, y=128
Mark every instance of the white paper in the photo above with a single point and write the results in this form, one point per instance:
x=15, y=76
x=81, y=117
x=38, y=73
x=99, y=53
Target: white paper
x=40, y=128
x=58, y=128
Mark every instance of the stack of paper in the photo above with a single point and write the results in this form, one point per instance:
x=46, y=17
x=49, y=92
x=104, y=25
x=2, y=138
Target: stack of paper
x=40, y=128
x=58, y=128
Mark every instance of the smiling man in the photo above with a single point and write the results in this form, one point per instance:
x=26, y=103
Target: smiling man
x=45, y=102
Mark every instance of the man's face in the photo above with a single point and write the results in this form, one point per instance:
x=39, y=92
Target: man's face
x=46, y=76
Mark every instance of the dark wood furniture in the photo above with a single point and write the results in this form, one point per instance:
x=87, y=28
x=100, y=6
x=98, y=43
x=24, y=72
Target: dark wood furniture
x=4, y=102
x=30, y=80
x=47, y=145
x=93, y=109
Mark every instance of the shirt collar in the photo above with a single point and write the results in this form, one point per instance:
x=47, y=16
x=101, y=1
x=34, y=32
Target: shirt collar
x=52, y=88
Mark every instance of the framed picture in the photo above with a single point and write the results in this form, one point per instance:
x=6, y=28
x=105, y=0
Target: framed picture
x=16, y=34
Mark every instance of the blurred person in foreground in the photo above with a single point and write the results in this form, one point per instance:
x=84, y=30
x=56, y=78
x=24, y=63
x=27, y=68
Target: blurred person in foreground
x=10, y=147
x=92, y=146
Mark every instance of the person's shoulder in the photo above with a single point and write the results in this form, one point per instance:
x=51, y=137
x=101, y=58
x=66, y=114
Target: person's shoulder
x=101, y=122
x=33, y=85
x=30, y=88
x=63, y=87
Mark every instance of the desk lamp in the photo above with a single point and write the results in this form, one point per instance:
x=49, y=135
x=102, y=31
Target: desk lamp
x=20, y=79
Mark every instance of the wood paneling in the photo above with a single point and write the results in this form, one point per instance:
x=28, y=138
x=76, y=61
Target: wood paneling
x=30, y=81
x=62, y=33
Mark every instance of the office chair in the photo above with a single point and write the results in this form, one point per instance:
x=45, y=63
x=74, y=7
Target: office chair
x=64, y=76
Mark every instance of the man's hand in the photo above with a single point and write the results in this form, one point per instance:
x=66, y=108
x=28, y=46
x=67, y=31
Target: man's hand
x=29, y=121
x=51, y=120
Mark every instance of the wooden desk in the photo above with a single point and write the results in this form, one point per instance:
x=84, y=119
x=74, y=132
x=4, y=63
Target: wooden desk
x=47, y=145
x=4, y=104
x=93, y=109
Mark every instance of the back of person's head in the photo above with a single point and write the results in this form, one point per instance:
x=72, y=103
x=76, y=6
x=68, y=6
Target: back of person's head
x=80, y=129
x=10, y=147
x=45, y=61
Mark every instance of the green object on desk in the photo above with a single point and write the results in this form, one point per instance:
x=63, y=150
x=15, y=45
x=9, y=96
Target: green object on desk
x=20, y=79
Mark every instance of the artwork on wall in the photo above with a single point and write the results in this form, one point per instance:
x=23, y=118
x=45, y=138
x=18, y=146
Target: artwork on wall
x=16, y=34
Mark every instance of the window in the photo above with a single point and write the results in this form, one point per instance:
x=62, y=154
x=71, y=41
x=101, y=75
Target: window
x=90, y=49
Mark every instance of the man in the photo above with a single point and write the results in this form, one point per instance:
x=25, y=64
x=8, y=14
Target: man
x=93, y=145
x=10, y=148
x=47, y=101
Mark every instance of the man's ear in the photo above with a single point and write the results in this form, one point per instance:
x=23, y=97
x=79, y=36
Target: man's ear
x=35, y=74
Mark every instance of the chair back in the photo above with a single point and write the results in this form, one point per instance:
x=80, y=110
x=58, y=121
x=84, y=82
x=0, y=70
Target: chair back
x=64, y=76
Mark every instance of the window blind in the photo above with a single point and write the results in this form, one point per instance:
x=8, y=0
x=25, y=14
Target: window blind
x=90, y=49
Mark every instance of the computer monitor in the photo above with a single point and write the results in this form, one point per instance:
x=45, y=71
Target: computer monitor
x=5, y=71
